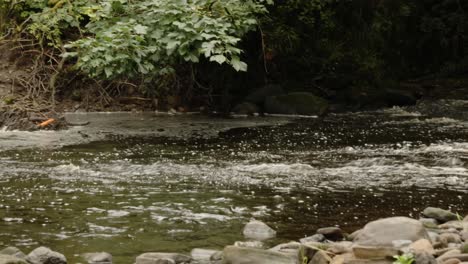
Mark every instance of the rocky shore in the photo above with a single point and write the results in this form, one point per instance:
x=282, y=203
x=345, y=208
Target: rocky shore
x=438, y=237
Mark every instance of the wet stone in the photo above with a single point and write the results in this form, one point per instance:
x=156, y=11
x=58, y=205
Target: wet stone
x=439, y=214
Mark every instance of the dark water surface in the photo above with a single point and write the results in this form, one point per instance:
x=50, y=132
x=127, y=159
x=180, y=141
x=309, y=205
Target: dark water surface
x=128, y=184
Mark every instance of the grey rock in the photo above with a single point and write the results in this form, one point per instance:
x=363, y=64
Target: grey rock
x=424, y=258
x=13, y=251
x=291, y=249
x=243, y=255
x=353, y=235
x=296, y=103
x=314, y=238
x=320, y=258
x=439, y=214
x=332, y=233
x=43, y=255
x=258, y=230
x=369, y=252
x=402, y=245
x=160, y=258
x=200, y=254
x=9, y=259
x=98, y=258
x=382, y=232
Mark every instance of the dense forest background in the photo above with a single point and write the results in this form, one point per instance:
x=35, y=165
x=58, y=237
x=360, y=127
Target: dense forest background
x=210, y=52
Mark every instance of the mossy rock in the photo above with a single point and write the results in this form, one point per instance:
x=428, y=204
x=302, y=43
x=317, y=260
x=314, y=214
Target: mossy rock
x=301, y=103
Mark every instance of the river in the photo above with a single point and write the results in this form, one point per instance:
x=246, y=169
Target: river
x=131, y=183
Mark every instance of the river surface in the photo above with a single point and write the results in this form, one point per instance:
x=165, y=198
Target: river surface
x=133, y=183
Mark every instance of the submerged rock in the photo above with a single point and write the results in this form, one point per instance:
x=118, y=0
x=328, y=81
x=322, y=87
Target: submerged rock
x=43, y=255
x=98, y=258
x=296, y=103
x=384, y=231
x=439, y=214
x=13, y=251
x=242, y=255
x=258, y=230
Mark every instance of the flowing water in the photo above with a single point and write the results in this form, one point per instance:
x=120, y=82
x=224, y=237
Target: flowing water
x=134, y=183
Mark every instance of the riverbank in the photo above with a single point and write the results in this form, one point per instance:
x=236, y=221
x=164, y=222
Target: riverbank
x=437, y=237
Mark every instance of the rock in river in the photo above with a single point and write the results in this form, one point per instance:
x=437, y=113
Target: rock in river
x=258, y=230
x=43, y=255
x=382, y=232
x=162, y=258
x=439, y=214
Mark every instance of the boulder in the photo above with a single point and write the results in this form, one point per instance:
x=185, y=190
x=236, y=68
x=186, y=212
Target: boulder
x=439, y=214
x=98, y=258
x=258, y=230
x=338, y=259
x=370, y=252
x=162, y=258
x=448, y=255
x=200, y=254
x=296, y=103
x=13, y=251
x=292, y=249
x=43, y=255
x=243, y=255
x=382, y=232
x=9, y=259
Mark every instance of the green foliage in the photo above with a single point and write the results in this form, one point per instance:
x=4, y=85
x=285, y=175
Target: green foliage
x=147, y=38
x=404, y=259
